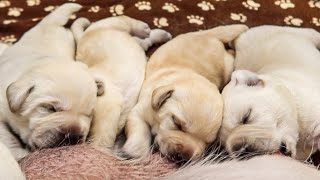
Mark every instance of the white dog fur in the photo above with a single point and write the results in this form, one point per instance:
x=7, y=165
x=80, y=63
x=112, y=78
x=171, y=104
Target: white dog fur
x=114, y=49
x=259, y=168
x=9, y=167
x=45, y=96
x=273, y=100
x=180, y=103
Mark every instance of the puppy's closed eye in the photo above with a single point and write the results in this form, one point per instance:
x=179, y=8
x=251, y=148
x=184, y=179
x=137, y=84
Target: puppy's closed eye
x=50, y=108
x=180, y=125
x=246, y=118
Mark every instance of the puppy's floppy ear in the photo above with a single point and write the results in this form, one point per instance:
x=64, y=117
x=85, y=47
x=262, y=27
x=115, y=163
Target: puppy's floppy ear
x=160, y=95
x=247, y=77
x=228, y=33
x=17, y=92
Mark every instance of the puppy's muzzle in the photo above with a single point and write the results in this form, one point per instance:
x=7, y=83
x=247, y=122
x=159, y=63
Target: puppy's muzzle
x=70, y=135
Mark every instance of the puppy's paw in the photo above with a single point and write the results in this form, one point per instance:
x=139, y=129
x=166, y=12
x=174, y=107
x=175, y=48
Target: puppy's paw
x=159, y=36
x=135, y=149
x=73, y=7
x=141, y=30
x=101, y=142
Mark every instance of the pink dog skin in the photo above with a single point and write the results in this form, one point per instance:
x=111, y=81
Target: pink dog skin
x=85, y=162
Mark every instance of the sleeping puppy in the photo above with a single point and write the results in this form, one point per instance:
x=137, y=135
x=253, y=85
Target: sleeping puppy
x=114, y=49
x=46, y=99
x=259, y=168
x=272, y=101
x=180, y=103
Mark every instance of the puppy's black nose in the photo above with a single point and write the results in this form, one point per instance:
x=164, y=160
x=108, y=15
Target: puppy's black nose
x=70, y=135
x=284, y=150
x=70, y=139
x=155, y=147
x=75, y=138
x=177, y=157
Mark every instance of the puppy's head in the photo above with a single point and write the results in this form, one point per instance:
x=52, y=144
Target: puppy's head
x=259, y=116
x=54, y=104
x=188, y=116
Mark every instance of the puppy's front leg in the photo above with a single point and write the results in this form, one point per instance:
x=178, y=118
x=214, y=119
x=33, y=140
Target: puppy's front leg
x=105, y=124
x=9, y=167
x=138, y=136
x=157, y=36
x=12, y=143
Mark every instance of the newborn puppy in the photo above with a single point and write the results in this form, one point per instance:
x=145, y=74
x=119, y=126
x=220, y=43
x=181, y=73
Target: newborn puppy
x=114, y=49
x=180, y=103
x=272, y=101
x=46, y=99
x=259, y=168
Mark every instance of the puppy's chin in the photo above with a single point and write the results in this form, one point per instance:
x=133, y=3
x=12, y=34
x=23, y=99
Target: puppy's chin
x=48, y=139
x=54, y=138
x=248, y=142
x=58, y=130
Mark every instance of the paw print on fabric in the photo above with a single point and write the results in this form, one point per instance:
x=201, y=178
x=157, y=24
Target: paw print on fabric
x=72, y=0
x=314, y=3
x=116, y=10
x=221, y=0
x=250, y=4
x=4, y=4
x=238, y=17
x=15, y=11
x=94, y=9
x=143, y=5
x=160, y=22
x=316, y=21
x=50, y=8
x=35, y=19
x=9, y=21
x=205, y=6
x=72, y=16
x=171, y=8
x=33, y=2
x=195, y=19
x=290, y=20
x=284, y=4
x=8, y=39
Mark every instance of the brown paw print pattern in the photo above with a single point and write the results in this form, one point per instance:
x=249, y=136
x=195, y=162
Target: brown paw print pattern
x=176, y=16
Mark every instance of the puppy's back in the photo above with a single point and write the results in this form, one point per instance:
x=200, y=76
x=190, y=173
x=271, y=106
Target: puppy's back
x=202, y=52
x=277, y=46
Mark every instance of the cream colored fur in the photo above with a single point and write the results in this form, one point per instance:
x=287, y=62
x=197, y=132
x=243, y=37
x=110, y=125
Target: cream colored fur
x=180, y=103
x=258, y=168
x=114, y=49
x=9, y=167
x=273, y=100
x=44, y=95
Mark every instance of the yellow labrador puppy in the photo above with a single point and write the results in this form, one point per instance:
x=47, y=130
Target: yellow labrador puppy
x=259, y=168
x=180, y=102
x=114, y=49
x=46, y=99
x=272, y=101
